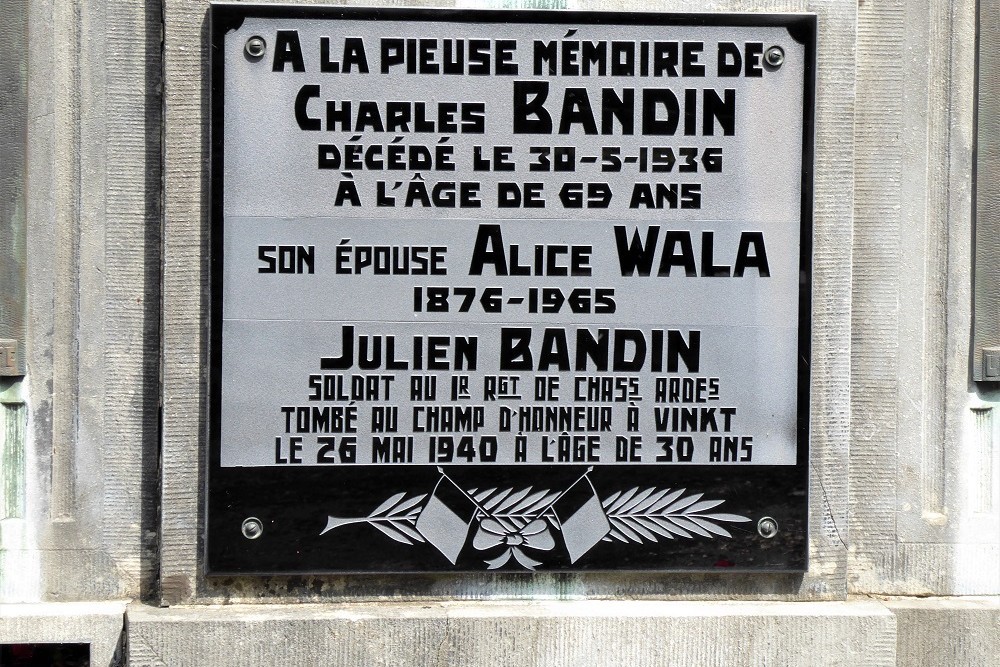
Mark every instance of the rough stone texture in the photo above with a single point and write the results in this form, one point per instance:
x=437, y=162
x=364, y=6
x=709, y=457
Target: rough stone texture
x=954, y=631
x=185, y=293
x=99, y=624
x=541, y=633
x=185, y=325
x=93, y=303
x=923, y=473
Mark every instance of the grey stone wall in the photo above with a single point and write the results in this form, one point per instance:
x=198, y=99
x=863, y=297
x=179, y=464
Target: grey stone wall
x=905, y=499
x=93, y=274
x=923, y=509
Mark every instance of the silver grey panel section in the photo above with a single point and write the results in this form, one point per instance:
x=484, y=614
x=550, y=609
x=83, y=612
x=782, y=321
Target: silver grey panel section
x=274, y=388
x=713, y=359
x=353, y=261
x=271, y=164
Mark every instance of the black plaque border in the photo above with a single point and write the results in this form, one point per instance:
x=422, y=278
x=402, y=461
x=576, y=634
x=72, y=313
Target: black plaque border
x=780, y=492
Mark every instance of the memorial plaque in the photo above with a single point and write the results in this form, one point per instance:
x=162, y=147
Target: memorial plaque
x=509, y=290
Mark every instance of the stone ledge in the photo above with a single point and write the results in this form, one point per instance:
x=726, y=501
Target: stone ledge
x=99, y=624
x=911, y=632
x=458, y=634
x=947, y=631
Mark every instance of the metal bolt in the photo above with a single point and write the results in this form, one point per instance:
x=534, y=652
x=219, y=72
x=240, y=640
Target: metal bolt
x=252, y=528
x=767, y=527
x=774, y=56
x=255, y=46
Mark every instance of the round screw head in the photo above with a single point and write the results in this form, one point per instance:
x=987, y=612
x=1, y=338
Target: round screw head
x=252, y=528
x=767, y=527
x=774, y=56
x=255, y=47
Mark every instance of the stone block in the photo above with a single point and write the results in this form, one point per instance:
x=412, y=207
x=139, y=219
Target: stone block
x=457, y=634
x=947, y=631
x=99, y=624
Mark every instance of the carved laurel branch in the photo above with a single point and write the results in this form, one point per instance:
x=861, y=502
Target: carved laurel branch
x=635, y=515
x=396, y=518
x=647, y=515
x=513, y=509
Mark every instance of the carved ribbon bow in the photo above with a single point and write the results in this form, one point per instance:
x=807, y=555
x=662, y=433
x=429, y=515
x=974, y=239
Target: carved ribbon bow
x=534, y=535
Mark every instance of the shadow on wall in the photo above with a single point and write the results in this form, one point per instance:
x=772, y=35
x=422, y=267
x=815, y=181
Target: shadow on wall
x=45, y=655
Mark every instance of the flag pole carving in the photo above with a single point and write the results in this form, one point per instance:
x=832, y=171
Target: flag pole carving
x=522, y=526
